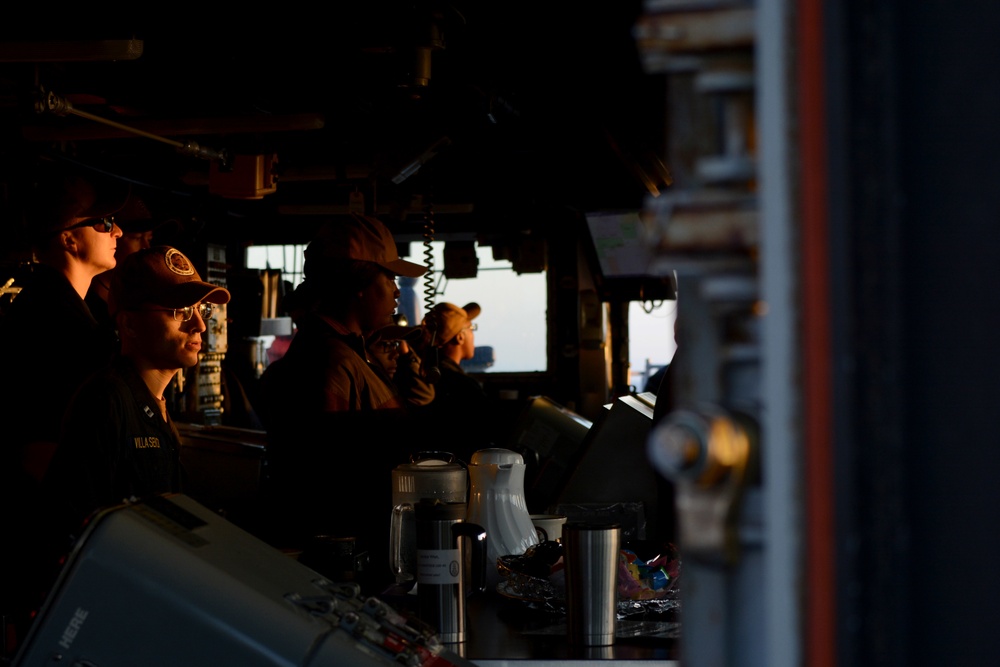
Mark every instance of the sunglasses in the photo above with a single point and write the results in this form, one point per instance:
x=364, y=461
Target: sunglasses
x=389, y=345
x=103, y=225
x=184, y=314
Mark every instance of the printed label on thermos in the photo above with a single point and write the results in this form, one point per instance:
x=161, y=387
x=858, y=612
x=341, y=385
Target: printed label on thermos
x=438, y=566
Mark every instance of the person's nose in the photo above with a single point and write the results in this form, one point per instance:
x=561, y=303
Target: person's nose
x=197, y=322
x=116, y=231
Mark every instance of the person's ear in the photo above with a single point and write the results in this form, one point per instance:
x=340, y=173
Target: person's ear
x=67, y=240
x=126, y=327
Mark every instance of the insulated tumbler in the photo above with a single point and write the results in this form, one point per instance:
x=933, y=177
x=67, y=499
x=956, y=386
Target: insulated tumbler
x=591, y=552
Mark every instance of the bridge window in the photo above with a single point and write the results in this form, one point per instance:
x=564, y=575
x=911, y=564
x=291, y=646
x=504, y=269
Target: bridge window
x=511, y=334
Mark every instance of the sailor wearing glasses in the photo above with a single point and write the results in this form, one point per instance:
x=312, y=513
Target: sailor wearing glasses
x=118, y=441
x=390, y=351
x=136, y=223
x=459, y=398
x=50, y=343
x=57, y=341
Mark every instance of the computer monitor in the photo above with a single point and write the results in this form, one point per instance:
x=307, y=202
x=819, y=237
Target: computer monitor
x=622, y=257
x=548, y=436
x=613, y=478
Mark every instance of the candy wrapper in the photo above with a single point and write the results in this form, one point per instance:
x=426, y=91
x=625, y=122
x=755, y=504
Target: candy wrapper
x=651, y=579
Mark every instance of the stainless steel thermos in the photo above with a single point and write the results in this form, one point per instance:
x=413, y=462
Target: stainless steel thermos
x=445, y=544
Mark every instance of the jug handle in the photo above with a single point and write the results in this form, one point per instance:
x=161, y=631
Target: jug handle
x=477, y=534
x=396, y=537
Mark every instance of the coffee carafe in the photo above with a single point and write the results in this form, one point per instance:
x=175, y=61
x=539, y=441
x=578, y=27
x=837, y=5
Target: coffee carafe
x=497, y=503
x=446, y=544
x=428, y=474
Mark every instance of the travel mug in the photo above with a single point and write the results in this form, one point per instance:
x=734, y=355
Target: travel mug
x=591, y=553
x=443, y=538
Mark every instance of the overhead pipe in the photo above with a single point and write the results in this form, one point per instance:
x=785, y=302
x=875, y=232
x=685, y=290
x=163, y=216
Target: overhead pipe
x=49, y=102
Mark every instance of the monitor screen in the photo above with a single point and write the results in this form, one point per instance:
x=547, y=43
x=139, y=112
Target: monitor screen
x=622, y=256
x=618, y=241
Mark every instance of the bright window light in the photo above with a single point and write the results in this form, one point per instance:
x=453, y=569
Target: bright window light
x=513, y=318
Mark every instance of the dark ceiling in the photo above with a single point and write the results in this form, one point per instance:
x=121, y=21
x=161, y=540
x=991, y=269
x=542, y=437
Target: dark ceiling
x=525, y=107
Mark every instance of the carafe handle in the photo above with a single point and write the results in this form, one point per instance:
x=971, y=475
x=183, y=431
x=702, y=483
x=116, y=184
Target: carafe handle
x=402, y=531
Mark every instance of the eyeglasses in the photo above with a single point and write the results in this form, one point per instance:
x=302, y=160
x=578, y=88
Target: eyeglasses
x=473, y=327
x=389, y=345
x=184, y=314
x=104, y=225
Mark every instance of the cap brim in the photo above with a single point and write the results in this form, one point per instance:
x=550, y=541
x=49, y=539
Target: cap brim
x=401, y=267
x=472, y=309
